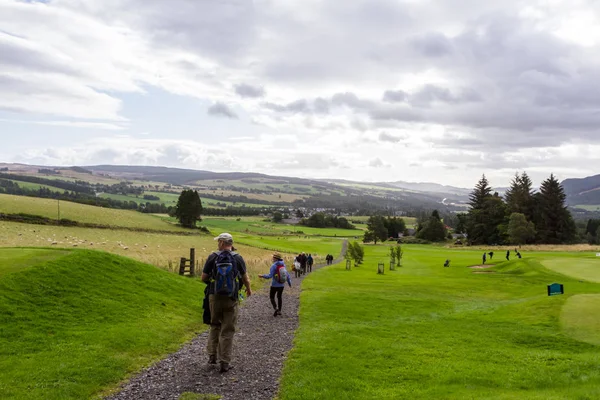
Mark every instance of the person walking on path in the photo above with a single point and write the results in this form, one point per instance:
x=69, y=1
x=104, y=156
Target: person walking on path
x=297, y=267
x=222, y=272
x=302, y=260
x=279, y=276
x=484, y=257
x=309, y=262
x=491, y=253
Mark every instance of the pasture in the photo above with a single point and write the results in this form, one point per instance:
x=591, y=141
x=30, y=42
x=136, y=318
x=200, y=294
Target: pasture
x=83, y=213
x=260, y=226
x=75, y=322
x=427, y=332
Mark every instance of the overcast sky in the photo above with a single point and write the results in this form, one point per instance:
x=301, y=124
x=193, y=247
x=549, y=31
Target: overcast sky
x=373, y=90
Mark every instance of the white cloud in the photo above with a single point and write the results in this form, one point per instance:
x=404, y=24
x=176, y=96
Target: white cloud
x=425, y=87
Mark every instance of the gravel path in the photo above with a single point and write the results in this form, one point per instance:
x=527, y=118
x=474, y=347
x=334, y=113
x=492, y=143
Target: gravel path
x=261, y=346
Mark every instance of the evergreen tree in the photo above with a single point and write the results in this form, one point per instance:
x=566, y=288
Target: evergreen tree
x=481, y=192
x=554, y=221
x=188, y=208
x=519, y=196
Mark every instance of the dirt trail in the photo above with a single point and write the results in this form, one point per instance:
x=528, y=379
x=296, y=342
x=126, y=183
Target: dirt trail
x=261, y=346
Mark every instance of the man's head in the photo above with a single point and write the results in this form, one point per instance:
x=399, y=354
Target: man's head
x=277, y=257
x=225, y=241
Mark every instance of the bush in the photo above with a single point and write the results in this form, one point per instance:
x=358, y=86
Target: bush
x=413, y=240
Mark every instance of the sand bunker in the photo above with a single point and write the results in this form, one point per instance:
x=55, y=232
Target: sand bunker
x=480, y=266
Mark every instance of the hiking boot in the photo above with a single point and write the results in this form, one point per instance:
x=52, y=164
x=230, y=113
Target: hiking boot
x=225, y=367
x=275, y=313
x=278, y=312
x=212, y=359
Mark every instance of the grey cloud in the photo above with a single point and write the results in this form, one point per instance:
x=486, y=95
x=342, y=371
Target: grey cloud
x=222, y=109
x=395, y=96
x=376, y=163
x=432, y=44
x=321, y=106
x=245, y=90
x=386, y=137
x=297, y=106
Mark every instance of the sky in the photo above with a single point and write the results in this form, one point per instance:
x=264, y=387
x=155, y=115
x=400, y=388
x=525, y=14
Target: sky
x=369, y=90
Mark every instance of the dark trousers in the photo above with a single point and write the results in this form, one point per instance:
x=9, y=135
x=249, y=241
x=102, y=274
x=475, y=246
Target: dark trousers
x=279, y=292
x=309, y=267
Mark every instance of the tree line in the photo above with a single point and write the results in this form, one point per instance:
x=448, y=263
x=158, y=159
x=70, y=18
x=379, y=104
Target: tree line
x=322, y=220
x=522, y=216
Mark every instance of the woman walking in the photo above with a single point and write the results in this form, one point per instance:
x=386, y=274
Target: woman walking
x=279, y=276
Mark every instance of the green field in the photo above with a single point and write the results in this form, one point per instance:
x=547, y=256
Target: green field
x=258, y=226
x=71, y=326
x=36, y=186
x=429, y=332
x=83, y=213
x=170, y=199
x=589, y=207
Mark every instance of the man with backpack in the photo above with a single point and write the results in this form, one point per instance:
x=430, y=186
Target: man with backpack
x=280, y=276
x=223, y=271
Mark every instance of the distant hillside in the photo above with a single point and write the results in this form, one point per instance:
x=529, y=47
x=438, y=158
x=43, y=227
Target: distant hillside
x=582, y=191
x=238, y=188
x=431, y=188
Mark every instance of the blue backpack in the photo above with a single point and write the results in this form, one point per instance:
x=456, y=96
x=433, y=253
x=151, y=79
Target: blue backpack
x=225, y=274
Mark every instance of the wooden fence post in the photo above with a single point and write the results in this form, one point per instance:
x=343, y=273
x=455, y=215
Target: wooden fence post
x=192, y=261
x=182, y=266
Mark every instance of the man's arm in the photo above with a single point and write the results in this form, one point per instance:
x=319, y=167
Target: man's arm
x=245, y=277
x=206, y=271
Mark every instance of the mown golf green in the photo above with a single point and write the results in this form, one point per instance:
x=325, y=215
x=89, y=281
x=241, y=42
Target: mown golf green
x=75, y=323
x=429, y=332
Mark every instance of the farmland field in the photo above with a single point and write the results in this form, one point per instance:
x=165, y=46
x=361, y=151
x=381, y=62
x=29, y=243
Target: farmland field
x=258, y=225
x=426, y=332
x=163, y=251
x=83, y=213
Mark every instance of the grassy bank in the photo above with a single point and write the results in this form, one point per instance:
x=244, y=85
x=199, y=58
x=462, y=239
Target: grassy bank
x=73, y=323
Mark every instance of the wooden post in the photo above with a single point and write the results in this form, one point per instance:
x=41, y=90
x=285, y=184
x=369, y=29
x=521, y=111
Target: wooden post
x=380, y=268
x=192, y=262
x=182, y=266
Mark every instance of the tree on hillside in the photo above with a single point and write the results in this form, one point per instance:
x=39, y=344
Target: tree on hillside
x=376, y=230
x=394, y=226
x=277, y=216
x=555, y=223
x=520, y=231
x=433, y=229
x=188, y=208
x=591, y=231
